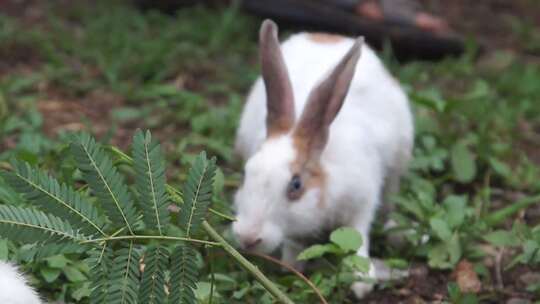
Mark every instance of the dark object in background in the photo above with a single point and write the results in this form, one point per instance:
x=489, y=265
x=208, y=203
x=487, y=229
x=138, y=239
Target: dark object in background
x=407, y=42
x=166, y=6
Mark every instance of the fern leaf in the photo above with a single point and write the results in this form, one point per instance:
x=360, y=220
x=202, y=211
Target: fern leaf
x=54, y=198
x=125, y=276
x=105, y=181
x=183, y=275
x=44, y=250
x=197, y=193
x=150, y=180
x=152, y=288
x=101, y=262
x=31, y=226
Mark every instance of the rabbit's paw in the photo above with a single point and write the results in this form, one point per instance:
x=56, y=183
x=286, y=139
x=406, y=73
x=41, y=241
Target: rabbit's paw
x=361, y=289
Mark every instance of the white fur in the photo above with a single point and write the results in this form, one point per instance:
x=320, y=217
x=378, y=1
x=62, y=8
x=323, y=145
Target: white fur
x=13, y=287
x=370, y=142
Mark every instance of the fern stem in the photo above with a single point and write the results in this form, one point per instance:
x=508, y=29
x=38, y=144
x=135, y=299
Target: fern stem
x=129, y=161
x=265, y=282
x=227, y=217
x=153, y=237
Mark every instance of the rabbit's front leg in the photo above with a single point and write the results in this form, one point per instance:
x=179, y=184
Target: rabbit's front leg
x=361, y=289
x=289, y=254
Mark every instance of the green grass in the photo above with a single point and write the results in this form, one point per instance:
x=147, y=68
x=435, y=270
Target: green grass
x=185, y=77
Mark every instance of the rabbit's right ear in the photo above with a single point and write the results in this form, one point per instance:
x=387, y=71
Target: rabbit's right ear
x=324, y=103
x=279, y=94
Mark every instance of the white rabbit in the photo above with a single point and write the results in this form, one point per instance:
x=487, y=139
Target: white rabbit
x=14, y=288
x=323, y=132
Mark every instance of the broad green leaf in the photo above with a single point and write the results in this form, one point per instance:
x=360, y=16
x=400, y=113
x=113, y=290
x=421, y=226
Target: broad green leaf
x=357, y=263
x=202, y=292
x=82, y=292
x=438, y=257
x=499, y=167
x=73, y=274
x=49, y=274
x=396, y=263
x=57, y=261
x=348, y=239
x=463, y=163
x=317, y=251
x=441, y=229
x=502, y=238
x=455, y=208
x=454, y=249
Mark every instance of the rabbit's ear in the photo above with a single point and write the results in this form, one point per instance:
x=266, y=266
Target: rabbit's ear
x=324, y=103
x=279, y=95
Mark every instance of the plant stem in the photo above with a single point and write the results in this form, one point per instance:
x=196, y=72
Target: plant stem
x=291, y=269
x=153, y=237
x=265, y=282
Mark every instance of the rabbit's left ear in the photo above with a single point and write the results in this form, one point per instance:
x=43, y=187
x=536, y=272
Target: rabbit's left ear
x=279, y=93
x=324, y=103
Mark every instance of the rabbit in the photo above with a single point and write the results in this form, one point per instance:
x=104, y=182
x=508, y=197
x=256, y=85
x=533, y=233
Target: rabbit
x=14, y=288
x=325, y=132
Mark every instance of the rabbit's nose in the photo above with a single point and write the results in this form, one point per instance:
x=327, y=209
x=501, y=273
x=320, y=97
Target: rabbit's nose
x=250, y=243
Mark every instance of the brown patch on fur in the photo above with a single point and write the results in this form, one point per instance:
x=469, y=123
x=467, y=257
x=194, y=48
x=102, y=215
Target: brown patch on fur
x=325, y=38
x=278, y=127
x=311, y=172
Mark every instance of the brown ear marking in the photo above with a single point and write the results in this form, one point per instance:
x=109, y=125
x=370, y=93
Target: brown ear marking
x=323, y=105
x=279, y=94
x=325, y=38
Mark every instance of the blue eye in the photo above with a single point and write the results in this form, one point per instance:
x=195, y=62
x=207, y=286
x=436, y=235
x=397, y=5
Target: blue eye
x=296, y=183
x=295, y=187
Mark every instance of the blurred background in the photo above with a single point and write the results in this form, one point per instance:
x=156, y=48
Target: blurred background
x=182, y=69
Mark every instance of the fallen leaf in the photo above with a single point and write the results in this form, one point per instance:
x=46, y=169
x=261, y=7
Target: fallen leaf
x=466, y=277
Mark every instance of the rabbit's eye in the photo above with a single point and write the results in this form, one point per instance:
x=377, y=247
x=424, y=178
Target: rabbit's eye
x=295, y=187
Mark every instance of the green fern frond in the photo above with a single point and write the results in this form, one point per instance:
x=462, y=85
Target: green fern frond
x=44, y=250
x=152, y=288
x=183, y=275
x=125, y=276
x=100, y=261
x=31, y=226
x=150, y=180
x=197, y=193
x=106, y=182
x=55, y=198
